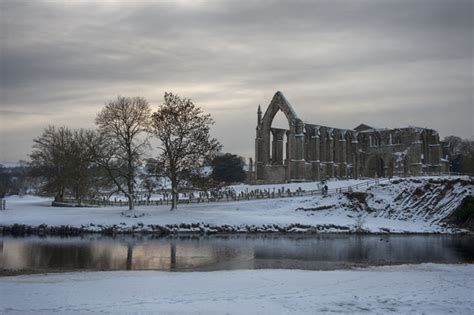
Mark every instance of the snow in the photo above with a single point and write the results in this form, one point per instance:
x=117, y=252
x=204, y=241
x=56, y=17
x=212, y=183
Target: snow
x=389, y=208
x=405, y=289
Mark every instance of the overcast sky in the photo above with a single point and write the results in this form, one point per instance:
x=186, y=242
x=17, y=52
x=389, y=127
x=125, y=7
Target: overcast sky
x=340, y=63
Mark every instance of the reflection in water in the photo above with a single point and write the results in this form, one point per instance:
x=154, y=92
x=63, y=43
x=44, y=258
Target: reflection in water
x=229, y=252
x=129, y=256
x=173, y=254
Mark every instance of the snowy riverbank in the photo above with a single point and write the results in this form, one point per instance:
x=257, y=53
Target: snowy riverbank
x=413, y=289
x=419, y=205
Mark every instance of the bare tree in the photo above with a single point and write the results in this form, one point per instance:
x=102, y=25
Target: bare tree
x=82, y=171
x=49, y=160
x=183, y=130
x=123, y=125
x=61, y=159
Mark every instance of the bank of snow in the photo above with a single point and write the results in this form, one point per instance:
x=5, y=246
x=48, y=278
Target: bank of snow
x=406, y=289
x=418, y=205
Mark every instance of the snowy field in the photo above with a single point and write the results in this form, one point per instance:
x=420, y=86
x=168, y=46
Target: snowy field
x=388, y=208
x=405, y=289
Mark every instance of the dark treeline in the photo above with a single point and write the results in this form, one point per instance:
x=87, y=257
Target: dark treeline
x=460, y=153
x=16, y=180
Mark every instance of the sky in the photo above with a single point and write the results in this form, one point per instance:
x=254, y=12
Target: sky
x=339, y=63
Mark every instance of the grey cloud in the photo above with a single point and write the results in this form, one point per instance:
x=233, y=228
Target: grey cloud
x=341, y=62
x=21, y=113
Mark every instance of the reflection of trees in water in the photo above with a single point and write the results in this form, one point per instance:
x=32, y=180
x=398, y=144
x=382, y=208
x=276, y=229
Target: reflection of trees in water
x=162, y=254
x=226, y=252
x=212, y=253
x=466, y=252
x=129, y=256
x=156, y=255
x=67, y=255
x=180, y=253
x=359, y=248
x=209, y=253
x=172, y=255
x=54, y=255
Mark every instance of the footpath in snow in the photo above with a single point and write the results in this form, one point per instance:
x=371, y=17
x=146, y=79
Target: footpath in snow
x=406, y=289
x=416, y=205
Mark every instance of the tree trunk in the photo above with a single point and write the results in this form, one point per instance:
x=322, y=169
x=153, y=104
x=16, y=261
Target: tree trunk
x=130, y=179
x=174, y=195
x=131, y=205
x=78, y=197
x=59, y=197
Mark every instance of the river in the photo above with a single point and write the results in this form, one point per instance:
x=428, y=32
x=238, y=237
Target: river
x=228, y=252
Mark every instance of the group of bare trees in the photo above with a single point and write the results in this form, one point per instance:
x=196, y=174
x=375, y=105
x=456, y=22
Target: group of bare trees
x=460, y=153
x=83, y=162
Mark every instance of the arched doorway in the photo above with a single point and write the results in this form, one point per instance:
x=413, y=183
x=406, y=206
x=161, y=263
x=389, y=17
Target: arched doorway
x=279, y=139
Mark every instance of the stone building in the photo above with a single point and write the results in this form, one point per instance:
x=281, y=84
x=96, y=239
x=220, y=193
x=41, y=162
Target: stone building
x=306, y=152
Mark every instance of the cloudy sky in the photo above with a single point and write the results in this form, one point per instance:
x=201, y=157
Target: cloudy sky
x=340, y=63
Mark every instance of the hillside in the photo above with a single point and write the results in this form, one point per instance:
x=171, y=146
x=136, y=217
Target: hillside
x=431, y=200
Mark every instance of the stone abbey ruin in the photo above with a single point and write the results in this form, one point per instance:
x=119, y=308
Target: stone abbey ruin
x=315, y=152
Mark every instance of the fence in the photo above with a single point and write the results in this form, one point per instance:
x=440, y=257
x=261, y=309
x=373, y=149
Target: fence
x=229, y=196
x=232, y=196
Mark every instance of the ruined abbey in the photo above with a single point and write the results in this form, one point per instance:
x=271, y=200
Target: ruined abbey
x=305, y=152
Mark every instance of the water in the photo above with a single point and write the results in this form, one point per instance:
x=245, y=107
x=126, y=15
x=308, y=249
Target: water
x=322, y=252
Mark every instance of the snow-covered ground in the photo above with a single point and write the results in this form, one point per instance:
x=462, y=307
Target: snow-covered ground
x=406, y=289
x=412, y=205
